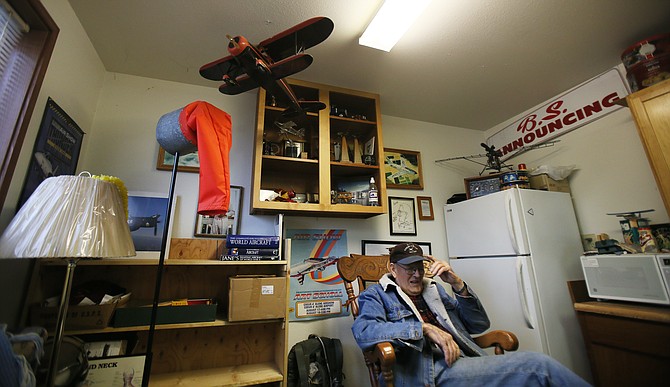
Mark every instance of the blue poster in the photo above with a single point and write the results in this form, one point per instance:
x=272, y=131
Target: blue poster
x=316, y=289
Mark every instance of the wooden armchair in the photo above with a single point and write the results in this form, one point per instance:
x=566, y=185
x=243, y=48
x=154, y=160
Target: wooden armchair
x=368, y=269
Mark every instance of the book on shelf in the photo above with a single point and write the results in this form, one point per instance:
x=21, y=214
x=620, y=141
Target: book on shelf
x=252, y=251
x=257, y=241
x=228, y=257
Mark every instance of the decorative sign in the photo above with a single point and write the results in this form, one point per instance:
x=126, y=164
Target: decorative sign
x=577, y=107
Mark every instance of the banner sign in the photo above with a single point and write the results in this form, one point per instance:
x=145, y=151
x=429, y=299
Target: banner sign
x=577, y=107
x=316, y=289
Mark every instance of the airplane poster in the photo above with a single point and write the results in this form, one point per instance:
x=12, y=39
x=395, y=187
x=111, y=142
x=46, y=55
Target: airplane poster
x=146, y=219
x=316, y=289
x=56, y=150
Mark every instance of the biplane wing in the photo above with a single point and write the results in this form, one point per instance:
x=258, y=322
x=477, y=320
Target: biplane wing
x=216, y=70
x=278, y=70
x=298, y=38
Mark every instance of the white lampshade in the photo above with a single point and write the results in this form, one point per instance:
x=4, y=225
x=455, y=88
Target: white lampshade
x=69, y=217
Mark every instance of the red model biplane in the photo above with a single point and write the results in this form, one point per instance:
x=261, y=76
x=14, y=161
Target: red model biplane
x=265, y=64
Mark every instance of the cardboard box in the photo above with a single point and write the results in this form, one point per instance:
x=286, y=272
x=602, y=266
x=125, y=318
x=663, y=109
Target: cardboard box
x=546, y=183
x=78, y=317
x=139, y=313
x=256, y=298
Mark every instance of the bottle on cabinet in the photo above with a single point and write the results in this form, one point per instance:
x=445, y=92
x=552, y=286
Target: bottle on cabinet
x=373, y=194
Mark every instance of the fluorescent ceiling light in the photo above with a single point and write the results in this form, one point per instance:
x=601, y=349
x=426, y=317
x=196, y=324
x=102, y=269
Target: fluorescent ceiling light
x=391, y=22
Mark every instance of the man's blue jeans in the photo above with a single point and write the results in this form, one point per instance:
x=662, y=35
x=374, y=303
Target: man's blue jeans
x=510, y=369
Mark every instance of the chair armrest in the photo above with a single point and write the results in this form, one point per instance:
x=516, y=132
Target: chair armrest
x=382, y=358
x=501, y=340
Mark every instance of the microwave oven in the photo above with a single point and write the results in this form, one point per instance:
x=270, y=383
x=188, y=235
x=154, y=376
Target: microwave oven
x=628, y=277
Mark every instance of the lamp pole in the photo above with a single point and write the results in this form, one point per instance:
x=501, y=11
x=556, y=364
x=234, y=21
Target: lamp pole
x=159, y=276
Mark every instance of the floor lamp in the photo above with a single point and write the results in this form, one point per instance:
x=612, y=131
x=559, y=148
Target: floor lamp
x=70, y=218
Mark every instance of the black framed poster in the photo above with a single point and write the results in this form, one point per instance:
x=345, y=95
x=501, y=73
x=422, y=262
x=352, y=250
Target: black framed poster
x=56, y=150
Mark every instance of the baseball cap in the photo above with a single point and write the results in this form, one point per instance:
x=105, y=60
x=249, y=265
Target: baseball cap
x=406, y=253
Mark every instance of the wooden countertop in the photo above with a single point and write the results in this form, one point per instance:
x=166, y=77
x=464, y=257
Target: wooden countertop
x=583, y=303
x=643, y=312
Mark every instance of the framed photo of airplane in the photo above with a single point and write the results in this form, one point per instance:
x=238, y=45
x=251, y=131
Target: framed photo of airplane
x=220, y=226
x=147, y=212
x=402, y=169
x=187, y=163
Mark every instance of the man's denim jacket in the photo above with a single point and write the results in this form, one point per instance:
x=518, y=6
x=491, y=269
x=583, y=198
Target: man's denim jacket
x=387, y=314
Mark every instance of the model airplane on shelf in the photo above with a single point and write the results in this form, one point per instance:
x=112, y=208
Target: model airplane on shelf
x=493, y=162
x=266, y=64
x=137, y=222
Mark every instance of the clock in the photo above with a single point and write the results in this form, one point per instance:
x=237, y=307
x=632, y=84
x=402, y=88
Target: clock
x=482, y=185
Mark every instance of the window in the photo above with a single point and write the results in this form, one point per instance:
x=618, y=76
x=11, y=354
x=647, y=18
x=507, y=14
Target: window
x=27, y=39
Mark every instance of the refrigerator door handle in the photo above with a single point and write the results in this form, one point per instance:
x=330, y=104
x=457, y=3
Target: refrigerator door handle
x=522, y=293
x=510, y=225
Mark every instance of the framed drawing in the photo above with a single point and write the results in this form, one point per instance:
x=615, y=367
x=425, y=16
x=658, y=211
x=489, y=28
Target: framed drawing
x=56, y=149
x=369, y=247
x=402, y=169
x=401, y=216
x=147, y=212
x=425, y=205
x=220, y=226
x=187, y=163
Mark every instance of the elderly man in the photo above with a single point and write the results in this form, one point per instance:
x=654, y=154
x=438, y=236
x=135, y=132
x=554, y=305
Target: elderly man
x=430, y=330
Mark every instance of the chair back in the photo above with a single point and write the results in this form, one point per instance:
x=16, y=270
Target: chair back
x=363, y=270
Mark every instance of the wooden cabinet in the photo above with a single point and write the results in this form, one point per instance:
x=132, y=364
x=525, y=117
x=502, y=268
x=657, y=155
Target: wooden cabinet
x=651, y=109
x=627, y=343
x=299, y=154
x=218, y=353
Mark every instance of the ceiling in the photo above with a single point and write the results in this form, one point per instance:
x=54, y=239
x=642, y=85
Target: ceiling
x=465, y=63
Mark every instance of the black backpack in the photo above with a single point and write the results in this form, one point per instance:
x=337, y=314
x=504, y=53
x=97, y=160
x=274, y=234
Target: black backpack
x=316, y=361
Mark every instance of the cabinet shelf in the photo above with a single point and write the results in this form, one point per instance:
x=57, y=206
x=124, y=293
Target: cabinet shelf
x=323, y=132
x=242, y=375
x=281, y=109
x=219, y=322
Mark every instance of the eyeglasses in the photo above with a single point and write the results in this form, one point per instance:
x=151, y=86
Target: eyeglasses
x=412, y=270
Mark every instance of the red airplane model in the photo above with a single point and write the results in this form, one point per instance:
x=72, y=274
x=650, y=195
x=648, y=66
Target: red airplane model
x=265, y=64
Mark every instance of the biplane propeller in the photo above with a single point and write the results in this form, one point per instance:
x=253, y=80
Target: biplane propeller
x=266, y=64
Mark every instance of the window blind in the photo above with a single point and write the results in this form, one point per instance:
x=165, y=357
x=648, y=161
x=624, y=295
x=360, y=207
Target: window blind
x=12, y=69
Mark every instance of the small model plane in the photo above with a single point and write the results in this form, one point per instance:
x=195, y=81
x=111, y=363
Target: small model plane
x=137, y=222
x=265, y=64
x=310, y=265
x=493, y=155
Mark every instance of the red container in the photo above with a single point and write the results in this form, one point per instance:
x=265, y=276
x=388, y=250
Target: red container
x=648, y=72
x=647, y=49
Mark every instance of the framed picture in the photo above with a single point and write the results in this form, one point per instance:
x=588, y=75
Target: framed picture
x=56, y=149
x=402, y=169
x=425, y=205
x=187, y=163
x=369, y=247
x=401, y=216
x=220, y=226
x=147, y=213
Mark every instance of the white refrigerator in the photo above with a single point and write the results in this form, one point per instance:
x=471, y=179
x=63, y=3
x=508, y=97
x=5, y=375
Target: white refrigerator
x=517, y=249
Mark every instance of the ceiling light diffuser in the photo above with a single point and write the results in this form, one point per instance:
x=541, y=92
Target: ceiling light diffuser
x=393, y=19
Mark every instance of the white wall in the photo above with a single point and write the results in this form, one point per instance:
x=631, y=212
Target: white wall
x=119, y=114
